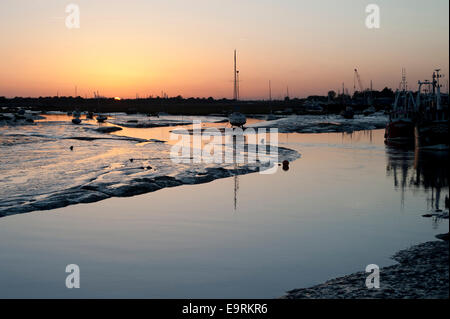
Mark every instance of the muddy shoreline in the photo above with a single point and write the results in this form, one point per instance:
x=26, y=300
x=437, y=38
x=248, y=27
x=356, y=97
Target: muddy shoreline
x=422, y=272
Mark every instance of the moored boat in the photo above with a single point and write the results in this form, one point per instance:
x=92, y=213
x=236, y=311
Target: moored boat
x=348, y=113
x=237, y=119
x=400, y=129
x=369, y=111
x=432, y=123
x=101, y=118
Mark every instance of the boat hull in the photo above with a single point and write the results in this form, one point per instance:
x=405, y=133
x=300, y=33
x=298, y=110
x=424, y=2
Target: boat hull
x=237, y=119
x=399, y=132
x=101, y=118
x=433, y=135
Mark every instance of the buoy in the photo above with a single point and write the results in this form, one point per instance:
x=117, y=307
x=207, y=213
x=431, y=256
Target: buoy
x=131, y=160
x=285, y=165
x=71, y=148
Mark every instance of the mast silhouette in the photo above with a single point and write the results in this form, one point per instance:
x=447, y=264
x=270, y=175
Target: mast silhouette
x=235, y=88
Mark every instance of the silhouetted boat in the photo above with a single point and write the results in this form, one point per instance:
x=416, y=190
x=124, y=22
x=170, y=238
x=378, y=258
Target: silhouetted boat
x=400, y=129
x=101, y=118
x=348, y=113
x=369, y=111
x=76, y=121
x=432, y=119
x=237, y=119
x=313, y=107
x=76, y=114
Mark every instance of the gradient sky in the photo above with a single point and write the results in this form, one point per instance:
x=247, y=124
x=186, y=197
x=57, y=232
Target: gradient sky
x=124, y=48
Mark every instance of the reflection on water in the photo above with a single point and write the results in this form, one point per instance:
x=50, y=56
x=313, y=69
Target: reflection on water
x=334, y=212
x=423, y=170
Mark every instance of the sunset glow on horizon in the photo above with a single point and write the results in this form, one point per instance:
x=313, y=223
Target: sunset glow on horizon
x=150, y=48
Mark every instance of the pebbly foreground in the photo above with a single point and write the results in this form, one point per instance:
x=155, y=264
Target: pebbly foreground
x=422, y=272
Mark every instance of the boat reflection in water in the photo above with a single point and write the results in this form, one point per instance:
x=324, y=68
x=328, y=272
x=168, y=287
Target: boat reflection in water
x=420, y=170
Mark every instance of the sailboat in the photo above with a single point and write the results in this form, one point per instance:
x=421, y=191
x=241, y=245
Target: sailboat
x=236, y=118
x=101, y=118
x=270, y=116
x=76, y=117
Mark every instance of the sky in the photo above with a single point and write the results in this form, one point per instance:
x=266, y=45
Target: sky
x=143, y=47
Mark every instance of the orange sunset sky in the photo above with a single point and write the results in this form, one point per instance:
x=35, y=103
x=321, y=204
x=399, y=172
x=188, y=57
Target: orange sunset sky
x=124, y=48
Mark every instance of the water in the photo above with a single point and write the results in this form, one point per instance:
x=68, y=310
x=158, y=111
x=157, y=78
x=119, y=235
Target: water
x=55, y=163
x=346, y=203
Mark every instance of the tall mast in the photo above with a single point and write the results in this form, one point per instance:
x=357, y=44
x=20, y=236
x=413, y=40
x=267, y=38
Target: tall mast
x=237, y=85
x=270, y=91
x=404, y=84
x=235, y=93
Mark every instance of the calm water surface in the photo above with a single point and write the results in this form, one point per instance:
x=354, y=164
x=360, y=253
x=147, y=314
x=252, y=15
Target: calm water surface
x=346, y=203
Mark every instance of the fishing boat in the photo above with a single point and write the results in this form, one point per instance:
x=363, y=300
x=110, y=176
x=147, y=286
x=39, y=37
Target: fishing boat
x=400, y=129
x=431, y=131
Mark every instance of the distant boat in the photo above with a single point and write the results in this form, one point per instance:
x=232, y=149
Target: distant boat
x=237, y=119
x=76, y=117
x=369, y=111
x=90, y=115
x=348, y=113
x=101, y=118
x=313, y=107
x=76, y=114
